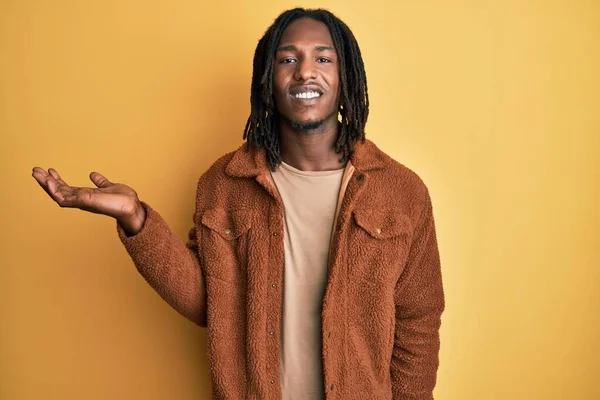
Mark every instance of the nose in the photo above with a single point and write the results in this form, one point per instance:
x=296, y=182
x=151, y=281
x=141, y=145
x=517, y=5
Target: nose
x=305, y=70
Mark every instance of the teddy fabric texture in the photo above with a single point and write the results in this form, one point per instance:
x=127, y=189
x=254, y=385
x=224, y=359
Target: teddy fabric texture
x=383, y=299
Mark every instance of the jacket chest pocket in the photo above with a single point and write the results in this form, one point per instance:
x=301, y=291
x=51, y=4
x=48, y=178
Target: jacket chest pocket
x=379, y=246
x=224, y=248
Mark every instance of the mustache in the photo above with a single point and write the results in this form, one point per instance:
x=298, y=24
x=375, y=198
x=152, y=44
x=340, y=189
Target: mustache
x=306, y=87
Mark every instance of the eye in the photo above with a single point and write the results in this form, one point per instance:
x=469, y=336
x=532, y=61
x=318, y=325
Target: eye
x=323, y=60
x=287, y=60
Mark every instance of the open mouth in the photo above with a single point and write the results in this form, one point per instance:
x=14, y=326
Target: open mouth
x=307, y=95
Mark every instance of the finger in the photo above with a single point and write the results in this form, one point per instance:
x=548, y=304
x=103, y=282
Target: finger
x=99, y=180
x=56, y=176
x=39, y=169
x=40, y=176
x=53, y=191
x=54, y=173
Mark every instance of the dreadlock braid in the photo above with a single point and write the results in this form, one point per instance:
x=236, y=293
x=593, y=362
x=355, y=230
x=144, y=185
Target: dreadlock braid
x=262, y=127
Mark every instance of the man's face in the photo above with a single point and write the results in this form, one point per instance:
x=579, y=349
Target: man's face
x=306, y=75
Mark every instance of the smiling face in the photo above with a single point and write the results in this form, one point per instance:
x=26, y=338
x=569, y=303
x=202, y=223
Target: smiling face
x=306, y=75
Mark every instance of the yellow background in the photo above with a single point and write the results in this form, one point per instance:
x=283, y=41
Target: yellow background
x=494, y=103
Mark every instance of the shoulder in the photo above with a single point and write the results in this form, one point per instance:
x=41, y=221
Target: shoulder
x=399, y=180
x=229, y=182
x=412, y=183
x=217, y=170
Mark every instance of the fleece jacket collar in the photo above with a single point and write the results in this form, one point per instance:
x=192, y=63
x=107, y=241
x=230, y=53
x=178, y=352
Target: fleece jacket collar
x=250, y=162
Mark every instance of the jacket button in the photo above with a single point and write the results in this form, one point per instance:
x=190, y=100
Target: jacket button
x=360, y=177
x=273, y=285
x=272, y=381
x=271, y=333
x=275, y=234
x=228, y=231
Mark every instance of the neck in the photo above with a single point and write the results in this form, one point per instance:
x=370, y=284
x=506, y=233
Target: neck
x=310, y=150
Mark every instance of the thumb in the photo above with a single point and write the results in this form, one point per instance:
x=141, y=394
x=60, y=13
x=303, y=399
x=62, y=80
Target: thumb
x=99, y=180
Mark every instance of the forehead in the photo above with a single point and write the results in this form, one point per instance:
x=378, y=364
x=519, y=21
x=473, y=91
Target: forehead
x=306, y=31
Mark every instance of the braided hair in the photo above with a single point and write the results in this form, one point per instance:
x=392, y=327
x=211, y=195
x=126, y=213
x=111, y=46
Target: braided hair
x=262, y=128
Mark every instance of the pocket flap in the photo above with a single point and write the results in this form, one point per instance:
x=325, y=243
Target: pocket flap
x=382, y=225
x=228, y=224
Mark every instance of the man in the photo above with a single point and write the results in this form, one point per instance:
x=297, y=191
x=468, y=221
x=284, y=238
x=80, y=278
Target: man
x=313, y=258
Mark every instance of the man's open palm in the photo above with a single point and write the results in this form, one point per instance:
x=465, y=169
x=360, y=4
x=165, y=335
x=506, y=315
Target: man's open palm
x=113, y=199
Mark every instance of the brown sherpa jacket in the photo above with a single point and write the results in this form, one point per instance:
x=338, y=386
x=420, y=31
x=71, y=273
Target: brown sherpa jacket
x=383, y=300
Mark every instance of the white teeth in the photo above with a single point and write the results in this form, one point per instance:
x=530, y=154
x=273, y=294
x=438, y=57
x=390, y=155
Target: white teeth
x=307, y=95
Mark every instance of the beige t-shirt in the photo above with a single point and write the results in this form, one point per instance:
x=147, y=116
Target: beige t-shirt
x=310, y=201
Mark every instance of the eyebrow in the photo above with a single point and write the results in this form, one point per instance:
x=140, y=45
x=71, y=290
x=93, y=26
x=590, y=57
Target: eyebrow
x=291, y=47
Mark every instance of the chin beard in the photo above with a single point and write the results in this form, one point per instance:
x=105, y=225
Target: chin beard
x=306, y=125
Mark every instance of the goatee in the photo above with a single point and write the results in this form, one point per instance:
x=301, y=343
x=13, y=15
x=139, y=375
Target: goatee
x=306, y=126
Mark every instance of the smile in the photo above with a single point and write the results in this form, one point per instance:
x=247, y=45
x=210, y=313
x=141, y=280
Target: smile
x=307, y=95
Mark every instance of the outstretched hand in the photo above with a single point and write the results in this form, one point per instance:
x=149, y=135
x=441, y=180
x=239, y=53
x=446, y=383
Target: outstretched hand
x=112, y=199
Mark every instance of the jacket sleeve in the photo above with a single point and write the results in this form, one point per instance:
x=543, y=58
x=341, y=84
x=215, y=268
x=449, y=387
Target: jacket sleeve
x=419, y=300
x=170, y=265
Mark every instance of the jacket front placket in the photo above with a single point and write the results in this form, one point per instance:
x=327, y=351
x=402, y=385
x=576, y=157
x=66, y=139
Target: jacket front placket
x=334, y=313
x=273, y=305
